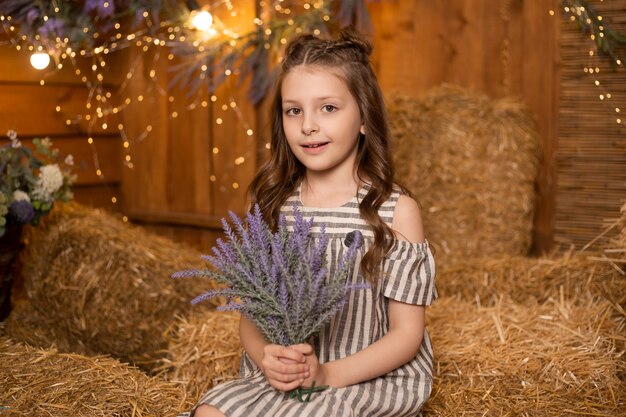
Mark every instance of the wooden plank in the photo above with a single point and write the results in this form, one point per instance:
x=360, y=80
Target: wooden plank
x=190, y=154
x=11, y=58
x=540, y=90
x=512, y=51
x=24, y=104
x=235, y=162
x=99, y=196
x=467, y=27
x=412, y=51
x=476, y=44
x=105, y=150
x=230, y=142
x=200, y=239
x=147, y=126
x=177, y=219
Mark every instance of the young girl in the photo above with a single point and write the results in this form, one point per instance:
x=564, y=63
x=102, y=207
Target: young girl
x=330, y=156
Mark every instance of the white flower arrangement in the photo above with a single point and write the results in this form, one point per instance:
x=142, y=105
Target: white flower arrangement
x=30, y=182
x=49, y=182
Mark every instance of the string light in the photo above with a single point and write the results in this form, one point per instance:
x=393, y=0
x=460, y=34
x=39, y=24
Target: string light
x=40, y=60
x=201, y=20
x=105, y=103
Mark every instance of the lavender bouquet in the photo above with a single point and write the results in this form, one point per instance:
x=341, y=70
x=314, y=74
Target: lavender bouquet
x=279, y=280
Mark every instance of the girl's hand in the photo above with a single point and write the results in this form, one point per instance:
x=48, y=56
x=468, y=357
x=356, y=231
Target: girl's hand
x=285, y=368
x=317, y=371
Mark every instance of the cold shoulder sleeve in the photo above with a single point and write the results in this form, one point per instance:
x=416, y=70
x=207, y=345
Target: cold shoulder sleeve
x=409, y=273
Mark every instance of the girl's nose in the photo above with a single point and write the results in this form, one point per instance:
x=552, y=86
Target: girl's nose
x=309, y=126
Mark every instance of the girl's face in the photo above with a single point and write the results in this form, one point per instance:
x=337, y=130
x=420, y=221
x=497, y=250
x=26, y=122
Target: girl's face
x=321, y=119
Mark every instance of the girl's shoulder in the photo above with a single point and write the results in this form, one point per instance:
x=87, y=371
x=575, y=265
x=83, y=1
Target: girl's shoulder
x=399, y=195
x=407, y=217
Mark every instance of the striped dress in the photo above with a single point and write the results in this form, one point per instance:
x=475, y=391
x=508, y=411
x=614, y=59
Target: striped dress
x=409, y=277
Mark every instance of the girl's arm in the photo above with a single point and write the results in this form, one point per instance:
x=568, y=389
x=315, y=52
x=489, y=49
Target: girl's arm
x=284, y=367
x=406, y=325
x=397, y=347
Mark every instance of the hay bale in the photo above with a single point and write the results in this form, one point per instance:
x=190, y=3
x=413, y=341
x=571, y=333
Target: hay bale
x=204, y=350
x=555, y=359
x=104, y=286
x=27, y=326
x=38, y=382
x=597, y=270
x=471, y=162
x=532, y=280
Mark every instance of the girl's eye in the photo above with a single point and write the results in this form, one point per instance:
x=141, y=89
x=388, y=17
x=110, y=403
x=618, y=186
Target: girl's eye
x=292, y=111
x=329, y=108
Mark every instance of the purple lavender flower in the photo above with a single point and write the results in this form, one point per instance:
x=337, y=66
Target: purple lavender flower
x=52, y=29
x=138, y=18
x=103, y=8
x=32, y=15
x=22, y=211
x=278, y=280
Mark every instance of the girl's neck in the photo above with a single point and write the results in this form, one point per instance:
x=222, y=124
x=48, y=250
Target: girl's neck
x=327, y=190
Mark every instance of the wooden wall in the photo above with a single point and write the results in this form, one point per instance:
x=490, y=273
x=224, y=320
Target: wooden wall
x=187, y=172
x=180, y=187
x=30, y=108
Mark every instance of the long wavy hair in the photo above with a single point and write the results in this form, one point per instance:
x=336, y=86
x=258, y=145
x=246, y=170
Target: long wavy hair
x=348, y=58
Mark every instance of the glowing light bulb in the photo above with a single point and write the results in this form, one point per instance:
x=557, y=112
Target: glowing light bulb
x=40, y=60
x=202, y=20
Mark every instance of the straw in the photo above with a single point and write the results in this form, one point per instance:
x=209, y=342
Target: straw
x=43, y=382
x=471, y=162
x=204, y=350
x=557, y=359
x=103, y=286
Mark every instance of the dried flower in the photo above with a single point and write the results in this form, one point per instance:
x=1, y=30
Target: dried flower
x=69, y=160
x=45, y=143
x=278, y=280
x=4, y=209
x=30, y=181
x=50, y=180
x=22, y=211
x=19, y=195
x=15, y=142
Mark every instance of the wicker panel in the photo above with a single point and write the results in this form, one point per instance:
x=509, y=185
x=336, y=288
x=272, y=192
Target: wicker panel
x=591, y=153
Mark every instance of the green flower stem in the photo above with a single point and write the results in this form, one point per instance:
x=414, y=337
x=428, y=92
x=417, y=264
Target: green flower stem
x=299, y=392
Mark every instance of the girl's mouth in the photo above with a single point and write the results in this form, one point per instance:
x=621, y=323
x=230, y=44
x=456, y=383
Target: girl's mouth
x=314, y=148
x=315, y=145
